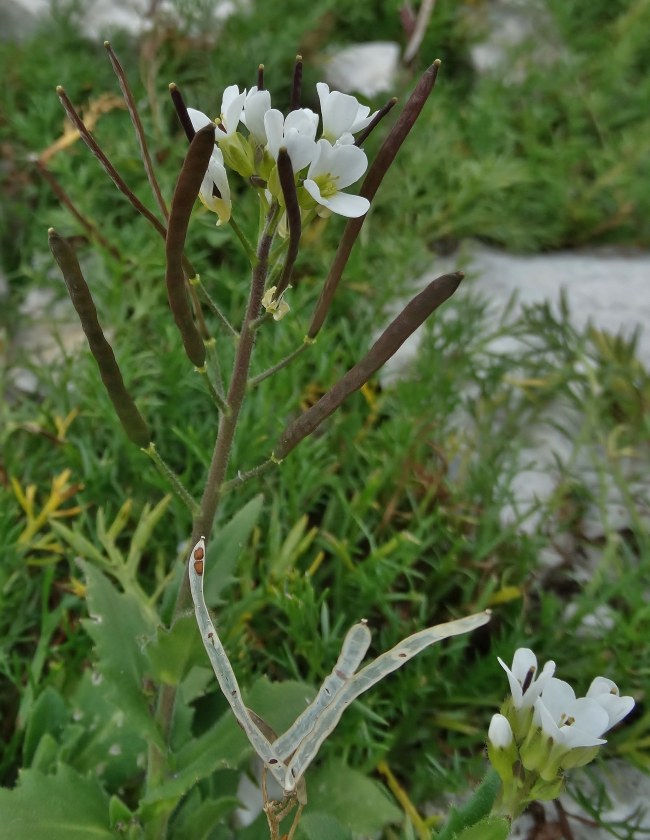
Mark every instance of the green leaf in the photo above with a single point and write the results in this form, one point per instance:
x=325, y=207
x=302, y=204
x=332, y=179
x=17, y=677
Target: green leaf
x=119, y=626
x=173, y=652
x=356, y=801
x=49, y=714
x=66, y=806
x=478, y=806
x=199, y=818
x=317, y=826
x=103, y=740
x=279, y=703
x=46, y=754
x=223, y=745
x=224, y=548
x=293, y=547
x=489, y=828
x=118, y=812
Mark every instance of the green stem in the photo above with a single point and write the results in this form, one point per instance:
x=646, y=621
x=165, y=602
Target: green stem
x=212, y=305
x=166, y=471
x=246, y=244
x=242, y=477
x=218, y=400
x=255, y=380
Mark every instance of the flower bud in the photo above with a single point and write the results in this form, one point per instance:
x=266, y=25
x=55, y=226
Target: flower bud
x=502, y=750
x=238, y=154
x=500, y=732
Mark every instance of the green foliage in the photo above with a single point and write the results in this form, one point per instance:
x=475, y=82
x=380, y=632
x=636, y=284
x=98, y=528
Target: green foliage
x=489, y=828
x=393, y=513
x=468, y=821
x=119, y=626
x=57, y=807
x=357, y=802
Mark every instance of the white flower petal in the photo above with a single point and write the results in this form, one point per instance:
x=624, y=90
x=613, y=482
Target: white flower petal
x=257, y=103
x=274, y=127
x=313, y=190
x=321, y=162
x=602, y=685
x=348, y=164
x=558, y=696
x=198, y=119
x=232, y=106
x=616, y=707
x=525, y=673
x=304, y=121
x=351, y=206
x=339, y=111
x=301, y=149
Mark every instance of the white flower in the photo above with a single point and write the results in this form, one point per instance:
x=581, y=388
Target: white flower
x=605, y=692
x=342, y=115
x=215, y=190
x=256, y=104
x=278, y=307
x=232, y=104
x=525, y=683
x=297, y=133
x=570, y=722
x=332, y=169
x=500, y=732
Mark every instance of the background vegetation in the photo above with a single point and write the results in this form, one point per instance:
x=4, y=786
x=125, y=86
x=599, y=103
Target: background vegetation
x=395, y=511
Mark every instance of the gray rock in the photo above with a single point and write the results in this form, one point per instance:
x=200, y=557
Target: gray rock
x=17, y=21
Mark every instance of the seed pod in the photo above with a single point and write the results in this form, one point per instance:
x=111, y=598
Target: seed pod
x=285, y=172
x=378, y=168
x=187, y=189
x=395, y=334
x=132, y=421
x=365, y=679
x=355, y=646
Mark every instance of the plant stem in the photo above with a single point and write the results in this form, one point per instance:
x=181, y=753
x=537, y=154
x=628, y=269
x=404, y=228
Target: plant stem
x=204, y=519
x=166, y=471
x=255, y=380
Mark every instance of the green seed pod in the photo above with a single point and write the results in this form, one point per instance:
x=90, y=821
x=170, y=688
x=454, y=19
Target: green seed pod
x=132, y=421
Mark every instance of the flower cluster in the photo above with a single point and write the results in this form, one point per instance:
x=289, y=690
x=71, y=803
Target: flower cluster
x=544, y=729
x=322, y=167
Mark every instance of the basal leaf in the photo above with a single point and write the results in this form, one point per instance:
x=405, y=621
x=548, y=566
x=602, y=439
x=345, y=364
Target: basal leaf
x=318, y=826
x=279, y=703
x=48, y=716
x=353, y=799
x=119, y=626
x=104, y=740
x=223, y=745
x=173, y=652
x=65, y=806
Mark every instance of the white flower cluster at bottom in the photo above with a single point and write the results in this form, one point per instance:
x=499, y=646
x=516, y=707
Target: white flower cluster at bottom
x=544, y=729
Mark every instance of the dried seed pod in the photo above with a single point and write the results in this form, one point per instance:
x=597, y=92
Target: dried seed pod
x=288, y=184
x=132, y=421
x=187, y=189
x=355, y=646
x=412, y=316
x=377, y=170
x=222, y=667
x=365, y=679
